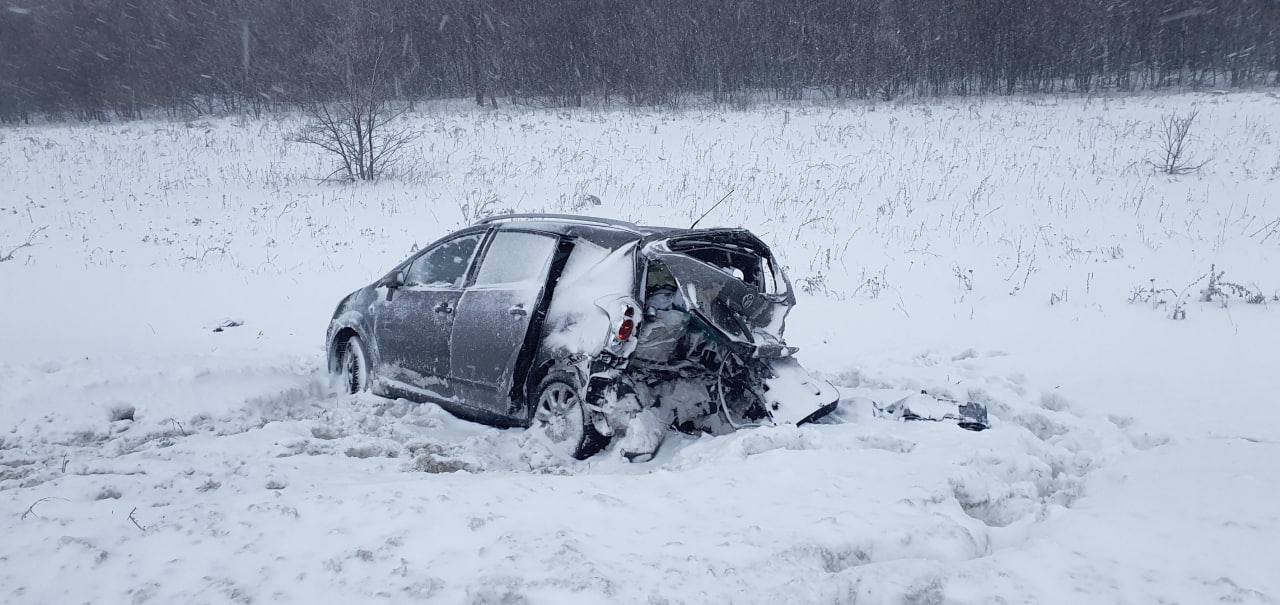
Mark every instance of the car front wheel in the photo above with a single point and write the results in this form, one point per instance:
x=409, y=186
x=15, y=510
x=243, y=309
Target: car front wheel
x=353, y=367
x=563, y=418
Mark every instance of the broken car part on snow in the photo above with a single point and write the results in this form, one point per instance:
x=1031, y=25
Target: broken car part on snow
x=923, y=406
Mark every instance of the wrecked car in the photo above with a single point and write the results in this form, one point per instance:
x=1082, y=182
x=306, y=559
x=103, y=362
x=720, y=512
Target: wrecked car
x=584, y=329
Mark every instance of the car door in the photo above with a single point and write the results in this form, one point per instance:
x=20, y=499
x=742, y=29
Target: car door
x=495, y=315
x=414, y=320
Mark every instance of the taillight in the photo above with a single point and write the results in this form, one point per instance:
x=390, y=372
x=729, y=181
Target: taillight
x=628, y=326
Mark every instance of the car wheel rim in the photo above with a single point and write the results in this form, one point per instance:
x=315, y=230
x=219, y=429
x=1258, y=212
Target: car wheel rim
x=560, y=416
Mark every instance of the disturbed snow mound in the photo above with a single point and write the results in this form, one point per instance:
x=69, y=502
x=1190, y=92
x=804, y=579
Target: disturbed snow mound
x=454, y=510
x=277, y=412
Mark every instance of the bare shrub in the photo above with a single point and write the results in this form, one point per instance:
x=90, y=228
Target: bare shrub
x=1157, y=297
x=813, y=284
x=1217, y=290
x=964, y=278
x=31, y=241
x=358, y=134
x=31, y=510
x=358, y=124
x=1269, y=229
x=474, y=208
x=1174, y=158
x=1223, y=291
x=873, y=285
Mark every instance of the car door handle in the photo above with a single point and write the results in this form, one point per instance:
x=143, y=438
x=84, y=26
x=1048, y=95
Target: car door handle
x=517, y=310
x=442, y=307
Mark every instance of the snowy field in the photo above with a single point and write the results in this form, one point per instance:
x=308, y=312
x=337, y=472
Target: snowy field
x=997, y=250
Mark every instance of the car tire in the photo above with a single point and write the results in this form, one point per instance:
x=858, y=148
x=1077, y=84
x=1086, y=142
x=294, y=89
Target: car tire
x=353, y=374
x=562, y=417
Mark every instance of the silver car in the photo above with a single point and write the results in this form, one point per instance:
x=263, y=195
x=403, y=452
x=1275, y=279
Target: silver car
x=586, y=329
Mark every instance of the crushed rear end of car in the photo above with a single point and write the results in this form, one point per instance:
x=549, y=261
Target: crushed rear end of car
x=693, y=338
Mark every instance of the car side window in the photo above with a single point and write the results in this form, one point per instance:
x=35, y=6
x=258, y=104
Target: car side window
x=516, y=257
x=444, y=266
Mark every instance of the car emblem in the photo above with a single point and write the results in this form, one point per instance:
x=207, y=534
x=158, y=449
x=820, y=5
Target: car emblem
x=749, y=301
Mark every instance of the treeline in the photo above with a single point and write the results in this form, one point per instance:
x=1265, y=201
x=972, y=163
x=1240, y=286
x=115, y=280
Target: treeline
x=107, y=59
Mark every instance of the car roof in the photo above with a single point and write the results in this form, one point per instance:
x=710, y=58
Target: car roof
x=609, y=233
x=606, y=232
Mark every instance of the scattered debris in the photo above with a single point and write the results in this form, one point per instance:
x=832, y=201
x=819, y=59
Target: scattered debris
x=970, y=415
x=121, y=412
x=228, y=323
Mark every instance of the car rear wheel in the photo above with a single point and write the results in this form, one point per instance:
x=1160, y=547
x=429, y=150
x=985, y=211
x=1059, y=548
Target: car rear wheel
x=563, y=418
x=353, y=367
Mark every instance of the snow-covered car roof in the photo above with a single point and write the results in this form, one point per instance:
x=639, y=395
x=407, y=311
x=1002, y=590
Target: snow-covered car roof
x=609, y=233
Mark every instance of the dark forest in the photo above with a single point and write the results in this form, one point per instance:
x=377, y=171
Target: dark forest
x=122, y=59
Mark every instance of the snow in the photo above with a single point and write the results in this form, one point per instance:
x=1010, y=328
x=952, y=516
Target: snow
x=980, y=249
x=518, y=259
x=592, y=294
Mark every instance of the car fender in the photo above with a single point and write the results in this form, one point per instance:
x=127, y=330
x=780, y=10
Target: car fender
x=350, y=314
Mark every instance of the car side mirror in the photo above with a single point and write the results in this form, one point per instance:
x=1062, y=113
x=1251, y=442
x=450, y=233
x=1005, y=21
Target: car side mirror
x=392, y=282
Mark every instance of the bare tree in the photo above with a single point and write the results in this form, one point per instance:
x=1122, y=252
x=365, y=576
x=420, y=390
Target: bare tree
x=359, y=133
x=1174, y=158
x=360, y=127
